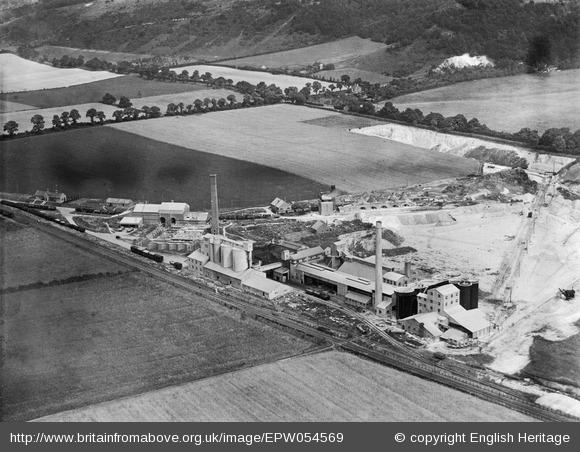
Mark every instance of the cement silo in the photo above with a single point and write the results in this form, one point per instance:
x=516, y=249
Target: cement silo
x=464, y=293
x=226, y=251
x=405, y=299
x=172, y=246
x=240, y=260
x=474, y=294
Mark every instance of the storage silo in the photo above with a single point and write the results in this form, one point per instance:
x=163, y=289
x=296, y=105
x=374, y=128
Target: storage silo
x=405, y=299
x=172, y=246
x=474, y=294
x=162, y=246
x=240, y=260
x=152, y=246
x=181, y=247
x=464, y=293
x=226, y=251
x=216, y=253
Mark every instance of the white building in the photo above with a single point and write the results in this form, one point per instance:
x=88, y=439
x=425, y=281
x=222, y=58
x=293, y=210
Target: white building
x=438, y=299
x=166, y=213
x=396, y=279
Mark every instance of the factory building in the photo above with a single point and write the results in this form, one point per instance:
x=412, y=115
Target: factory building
x=356, y=291
x=424, y=325
x=472, y=322
x=325, y=205
x=438, y=299
x=396, y=279
x=229, y=262
x=166, y=213
x=121, y=203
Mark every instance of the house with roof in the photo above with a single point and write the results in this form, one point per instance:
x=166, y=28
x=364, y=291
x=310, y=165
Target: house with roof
x=166, y=213
x=396, y=279
x=280, y=206
x=42, y=196
x=121, y=203
x=424, y=325
x=472, y=322
x=319, y=227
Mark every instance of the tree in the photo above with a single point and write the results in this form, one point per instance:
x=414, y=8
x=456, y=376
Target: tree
x=539, y=55
x=65, y=118
x=91, y=113
x=118, y=115
x=389, y=111
x=171, y=109
x=56, y=122
x=11, y=127
x=180, y=106
x=108, y=99
x=37, y=123
x=74, y=115
x=101, y=116
x=222, y=103
x=184, y=76
x=214, y=104
x=155, y=112
x=125, y=102
x=316, y=86
x=189, y=109
x=198, y=105
x=345, y=79
x=231, y=99
x=331, y=87
x=206, y=102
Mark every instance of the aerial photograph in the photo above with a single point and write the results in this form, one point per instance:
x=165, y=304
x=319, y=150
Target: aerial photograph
x=290, y=211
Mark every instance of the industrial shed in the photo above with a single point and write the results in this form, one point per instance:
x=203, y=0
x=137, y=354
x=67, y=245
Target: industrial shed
x=473, y=322
x=423, y=325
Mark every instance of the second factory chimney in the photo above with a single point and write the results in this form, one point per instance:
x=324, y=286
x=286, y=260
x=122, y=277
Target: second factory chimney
x=378, y=265
x=215, y=216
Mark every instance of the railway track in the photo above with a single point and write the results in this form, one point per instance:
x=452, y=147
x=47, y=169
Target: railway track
x=399, y=356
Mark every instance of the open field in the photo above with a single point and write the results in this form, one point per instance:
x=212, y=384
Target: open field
x=277, y=136
x=18, y=74
x=325, y=387
x=22, y=117
x=507, y=103
x=7, y=106
x=132, y=86
x=30, y=256
x=331, y=52
x=253, y=77
x=82, y=343
x=51, y=52
x=103, y=161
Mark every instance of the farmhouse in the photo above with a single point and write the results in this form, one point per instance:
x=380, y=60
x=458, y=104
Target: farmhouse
x=41, y=196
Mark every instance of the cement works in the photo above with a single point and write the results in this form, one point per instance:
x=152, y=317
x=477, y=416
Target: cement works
x=397, y=355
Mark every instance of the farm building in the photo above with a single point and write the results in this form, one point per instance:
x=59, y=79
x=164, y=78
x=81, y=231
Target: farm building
x=49, y=196
x=280, y=206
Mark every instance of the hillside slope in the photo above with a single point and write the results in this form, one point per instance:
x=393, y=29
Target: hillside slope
x=507, y=31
